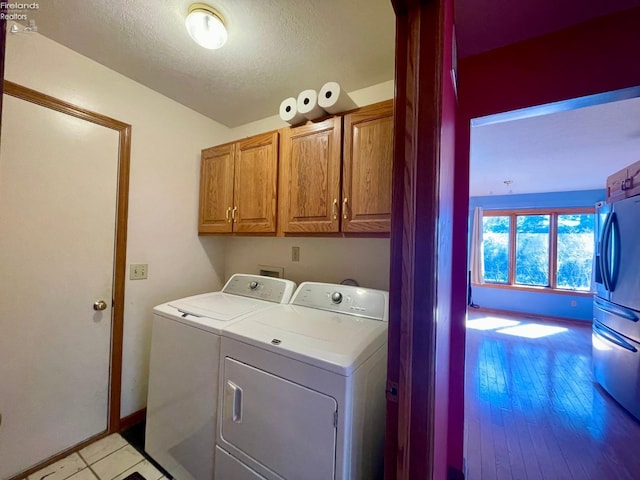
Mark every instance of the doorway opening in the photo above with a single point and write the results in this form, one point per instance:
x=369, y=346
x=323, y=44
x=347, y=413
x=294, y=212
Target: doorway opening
x=532, y=407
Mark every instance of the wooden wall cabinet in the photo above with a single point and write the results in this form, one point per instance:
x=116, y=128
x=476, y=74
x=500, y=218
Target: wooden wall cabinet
x=310, y=159
x=624, y=183
x=313, y=158
x=238, y=186
x=366, y=169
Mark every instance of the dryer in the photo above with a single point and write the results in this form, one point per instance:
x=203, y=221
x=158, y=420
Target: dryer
x=184, y=365
x=302, y=388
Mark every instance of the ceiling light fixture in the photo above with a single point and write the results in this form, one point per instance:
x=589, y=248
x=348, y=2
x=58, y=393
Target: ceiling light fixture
x=205, y=26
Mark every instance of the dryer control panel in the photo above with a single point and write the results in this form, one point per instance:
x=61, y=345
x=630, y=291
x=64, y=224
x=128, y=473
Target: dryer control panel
x=270, y=289
x=346, y=299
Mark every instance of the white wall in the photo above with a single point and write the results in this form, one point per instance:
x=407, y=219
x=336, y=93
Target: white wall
x=163, y=197
x=321, y=259
x=362, y=97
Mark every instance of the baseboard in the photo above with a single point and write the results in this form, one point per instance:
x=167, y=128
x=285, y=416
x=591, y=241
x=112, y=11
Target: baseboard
x=530, y=316
x=134, y=419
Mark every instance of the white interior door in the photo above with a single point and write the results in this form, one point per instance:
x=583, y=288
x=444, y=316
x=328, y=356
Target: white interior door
x=58, y=182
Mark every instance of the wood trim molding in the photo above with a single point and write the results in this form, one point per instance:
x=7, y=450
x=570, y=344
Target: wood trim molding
x=529, y=288
x=124, y=131
x=132, y=420
x=537, y=211
x=421, y=234
x=58, y=105
x=512, y=249
x=530, y=316
x=3, y=45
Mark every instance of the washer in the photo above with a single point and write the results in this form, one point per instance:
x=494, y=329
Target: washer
x=184, y=366
x=302, y=388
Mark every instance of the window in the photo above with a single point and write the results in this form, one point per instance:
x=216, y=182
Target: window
x=549, y=249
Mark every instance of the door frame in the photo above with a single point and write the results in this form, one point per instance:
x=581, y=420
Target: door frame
x=423, y=230
x=117, y=322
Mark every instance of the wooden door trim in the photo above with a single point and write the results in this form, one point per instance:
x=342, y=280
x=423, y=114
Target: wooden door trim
x=124, y=158
x=3, y=45
x=418, y=310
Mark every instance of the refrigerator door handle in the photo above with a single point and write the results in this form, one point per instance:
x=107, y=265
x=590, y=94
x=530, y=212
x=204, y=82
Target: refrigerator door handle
x=616, y=310
x=605, y=252
x=615, y=251
x=612, y=338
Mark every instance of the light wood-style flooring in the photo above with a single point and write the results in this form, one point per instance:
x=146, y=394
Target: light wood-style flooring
x=533, y=409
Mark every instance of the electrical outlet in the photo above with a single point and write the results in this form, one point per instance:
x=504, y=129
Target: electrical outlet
x=138, y=271
x=295, y=254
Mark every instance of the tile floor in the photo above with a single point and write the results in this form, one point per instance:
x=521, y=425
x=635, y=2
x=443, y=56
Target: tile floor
x=111, y=458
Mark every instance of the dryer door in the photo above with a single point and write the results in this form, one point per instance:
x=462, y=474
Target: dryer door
x=286, y=427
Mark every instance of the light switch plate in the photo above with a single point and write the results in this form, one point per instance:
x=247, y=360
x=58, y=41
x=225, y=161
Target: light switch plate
x=138, y=271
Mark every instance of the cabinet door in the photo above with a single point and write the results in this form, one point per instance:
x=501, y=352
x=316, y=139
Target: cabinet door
x=216, y=189
x=310, y=177
x=256, y=164
x=367, y=163
x=633, y=182
x=615, y=184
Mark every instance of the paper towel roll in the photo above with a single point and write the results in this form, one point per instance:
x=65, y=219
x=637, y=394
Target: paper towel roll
x=289, y=111
x=334, y=99
x=308, y=105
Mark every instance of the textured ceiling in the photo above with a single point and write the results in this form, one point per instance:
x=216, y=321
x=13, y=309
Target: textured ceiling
x=565, y=151
x=276, y=48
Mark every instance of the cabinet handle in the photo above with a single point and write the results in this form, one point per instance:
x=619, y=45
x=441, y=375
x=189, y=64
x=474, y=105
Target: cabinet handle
x=227, y=215
x=233, y=213
x=344, y=208
x=335, y=208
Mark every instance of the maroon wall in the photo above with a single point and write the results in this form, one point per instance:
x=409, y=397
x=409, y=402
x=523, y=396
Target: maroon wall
x=592, y=57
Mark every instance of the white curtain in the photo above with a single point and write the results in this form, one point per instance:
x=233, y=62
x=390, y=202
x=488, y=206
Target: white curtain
x=476, y=262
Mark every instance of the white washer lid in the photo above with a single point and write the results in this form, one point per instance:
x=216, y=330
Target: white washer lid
x=241, y=295
x=333, y=341
x=211, y=311
x=218, y=305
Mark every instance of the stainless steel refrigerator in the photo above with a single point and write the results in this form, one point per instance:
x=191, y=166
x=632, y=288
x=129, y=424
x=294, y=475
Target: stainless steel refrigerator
x=616, y=304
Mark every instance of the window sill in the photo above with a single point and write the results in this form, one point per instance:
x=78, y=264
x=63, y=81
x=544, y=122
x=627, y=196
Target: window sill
x=523, y=288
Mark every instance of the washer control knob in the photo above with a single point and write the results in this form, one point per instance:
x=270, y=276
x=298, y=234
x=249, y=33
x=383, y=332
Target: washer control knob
x=253, y=285
x=336, y=297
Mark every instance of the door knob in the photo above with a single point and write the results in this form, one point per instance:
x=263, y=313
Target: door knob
x=100, y=305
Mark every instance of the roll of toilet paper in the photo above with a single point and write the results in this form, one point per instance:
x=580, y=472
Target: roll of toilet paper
x=308, y=105
x=334, y=99
x=289, y=111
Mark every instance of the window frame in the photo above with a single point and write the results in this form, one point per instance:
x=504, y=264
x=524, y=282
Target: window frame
x=553, y=248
